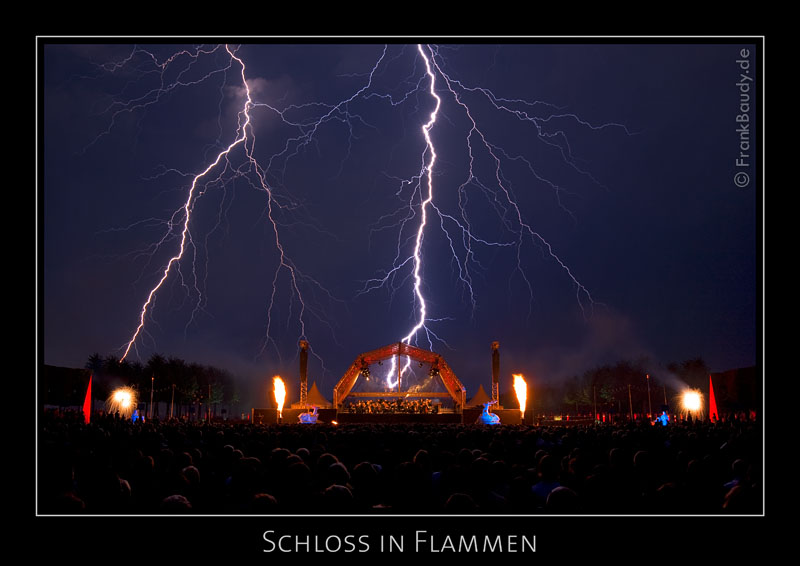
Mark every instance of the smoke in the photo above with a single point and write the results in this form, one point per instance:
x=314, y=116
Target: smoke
x=672, y=381
x=608, y=337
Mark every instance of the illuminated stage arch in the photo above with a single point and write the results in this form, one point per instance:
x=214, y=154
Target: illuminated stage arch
x=360, y=368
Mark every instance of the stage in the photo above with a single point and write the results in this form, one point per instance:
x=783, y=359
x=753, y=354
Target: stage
x=328, y=416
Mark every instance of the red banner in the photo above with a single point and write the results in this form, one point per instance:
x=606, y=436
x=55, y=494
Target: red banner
x=712, y=402
x=87, y=402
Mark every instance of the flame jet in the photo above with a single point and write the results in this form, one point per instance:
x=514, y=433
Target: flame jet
x=521, y=390
x=279, y=390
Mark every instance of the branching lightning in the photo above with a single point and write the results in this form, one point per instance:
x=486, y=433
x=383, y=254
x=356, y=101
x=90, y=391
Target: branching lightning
x=501, y=196
x=428, y=172
x=187, y=212
x=417, y=254
x=430, y=84
x=219, y=172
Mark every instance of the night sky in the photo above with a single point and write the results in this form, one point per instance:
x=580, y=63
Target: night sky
x=620, y=156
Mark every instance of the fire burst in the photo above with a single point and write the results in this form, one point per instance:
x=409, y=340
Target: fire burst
x=692, y=402
x=521, y=389
x=123, y=401
x=279, y=390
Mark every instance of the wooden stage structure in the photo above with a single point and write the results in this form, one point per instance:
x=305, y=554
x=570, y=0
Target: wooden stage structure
x=338, y=412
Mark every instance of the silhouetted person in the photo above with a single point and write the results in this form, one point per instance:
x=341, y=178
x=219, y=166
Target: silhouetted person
x=548, y=479
x=176, y=505
x=562, y=500
x=460, y=504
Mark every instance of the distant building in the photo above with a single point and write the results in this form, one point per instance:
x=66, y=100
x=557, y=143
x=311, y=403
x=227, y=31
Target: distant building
x=737, y=390
x=315, y=398
x=480, y=398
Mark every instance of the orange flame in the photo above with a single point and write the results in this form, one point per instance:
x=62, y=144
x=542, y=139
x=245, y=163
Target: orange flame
x=280, y=393
x=521, y=388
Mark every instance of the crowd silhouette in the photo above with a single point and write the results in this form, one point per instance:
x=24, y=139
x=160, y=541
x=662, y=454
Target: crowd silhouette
x=115, y=466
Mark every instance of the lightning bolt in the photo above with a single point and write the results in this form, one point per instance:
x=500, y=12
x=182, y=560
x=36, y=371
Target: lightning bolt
x=416, y=257
x=501, y=197
x=220, y=171
x=241, y=139
x=428, y=171
x=420, y=211
x=524, y=227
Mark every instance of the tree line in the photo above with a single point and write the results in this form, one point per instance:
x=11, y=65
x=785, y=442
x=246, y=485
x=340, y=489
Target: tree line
x=622, y=387
x=173, y=380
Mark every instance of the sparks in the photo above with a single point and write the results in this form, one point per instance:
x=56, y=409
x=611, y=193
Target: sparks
x=692, y=401
x=123, y=401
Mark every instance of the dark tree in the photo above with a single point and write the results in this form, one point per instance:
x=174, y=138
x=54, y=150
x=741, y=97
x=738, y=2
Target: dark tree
x=95, y=363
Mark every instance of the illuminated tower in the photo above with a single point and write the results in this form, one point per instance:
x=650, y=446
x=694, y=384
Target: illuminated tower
x=303, y=373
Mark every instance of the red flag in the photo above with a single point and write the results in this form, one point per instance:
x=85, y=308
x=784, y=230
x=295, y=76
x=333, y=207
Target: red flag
x=87, y=403
x=712, y=402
